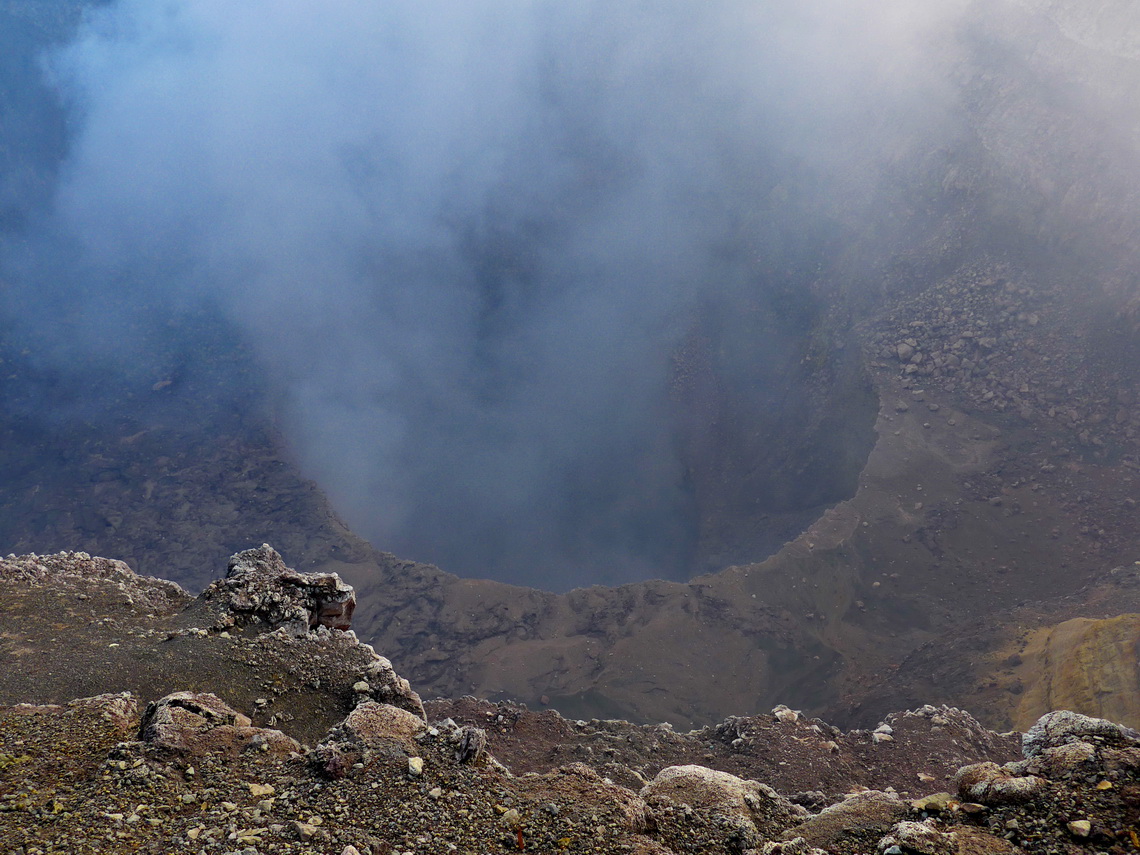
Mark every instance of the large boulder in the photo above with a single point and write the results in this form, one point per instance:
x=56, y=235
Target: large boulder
x=1063, y=727
x=864, y=818
x=371, y=731
x=748, y=810
x=374, y=724
x=260, y=590
x=991, y=784
x=200, y=722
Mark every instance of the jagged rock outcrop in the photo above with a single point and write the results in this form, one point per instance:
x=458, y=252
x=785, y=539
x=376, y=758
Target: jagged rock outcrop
x=470, y=743
x=1062, y=728
x=260, y=590
x=381, y=683
x=115, y=630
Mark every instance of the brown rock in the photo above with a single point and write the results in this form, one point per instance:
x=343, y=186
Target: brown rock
x=199, y=722
x=1064, y=760
x=372, y=723
x=121, y=709
x=867, y=813
x=974, y=841
x=371, y=730
x=990, y=784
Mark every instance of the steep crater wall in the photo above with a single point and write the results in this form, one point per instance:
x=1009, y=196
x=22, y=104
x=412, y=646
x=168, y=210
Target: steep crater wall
x=775, y=418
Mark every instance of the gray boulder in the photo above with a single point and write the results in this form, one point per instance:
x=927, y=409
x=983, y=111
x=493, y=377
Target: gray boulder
x=1062, y=727
x=745, y=812
x=990, y=784
x=259, y=590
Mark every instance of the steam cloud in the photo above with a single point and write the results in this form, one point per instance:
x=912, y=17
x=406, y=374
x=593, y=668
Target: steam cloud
x=462, y=239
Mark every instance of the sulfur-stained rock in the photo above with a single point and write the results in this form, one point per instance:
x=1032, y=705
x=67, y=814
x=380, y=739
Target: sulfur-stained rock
x=935, y=803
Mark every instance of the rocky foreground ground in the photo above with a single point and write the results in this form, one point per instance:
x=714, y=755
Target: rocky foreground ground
x=250, y=720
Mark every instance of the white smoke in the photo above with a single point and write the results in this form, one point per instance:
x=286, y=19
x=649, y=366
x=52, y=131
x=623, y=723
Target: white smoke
x=462, y=238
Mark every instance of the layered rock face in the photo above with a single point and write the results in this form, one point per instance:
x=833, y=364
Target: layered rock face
x=1081, y=664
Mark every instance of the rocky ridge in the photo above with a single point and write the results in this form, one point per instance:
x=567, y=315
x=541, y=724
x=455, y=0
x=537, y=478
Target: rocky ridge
x=364, y=767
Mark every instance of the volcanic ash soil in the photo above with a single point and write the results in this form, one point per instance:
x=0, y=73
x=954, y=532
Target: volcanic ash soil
x=250, y=720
